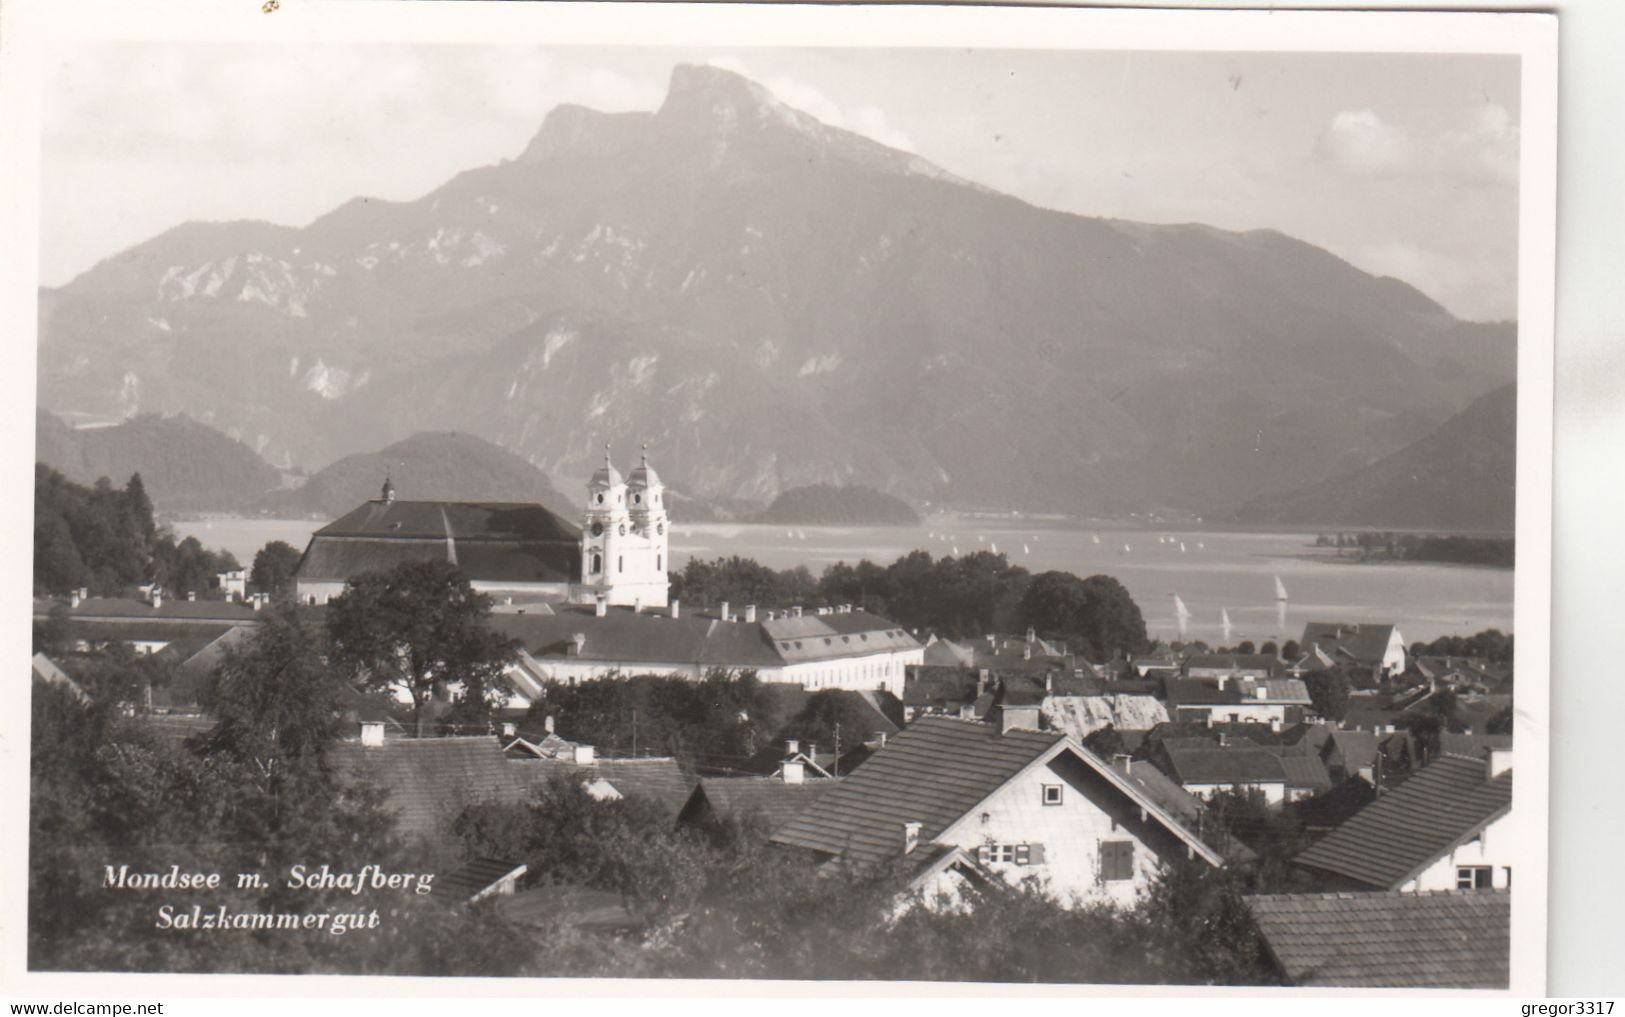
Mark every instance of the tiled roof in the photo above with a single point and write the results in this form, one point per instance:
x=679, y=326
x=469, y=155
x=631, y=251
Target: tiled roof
x=200, y=665
x=489, y=541
x=1451, y=744
x=44, y=669
x=169, y=609
x=733, y=799
x=1451, y=939
x=1215, y=765
x=946, y=653
x=1393, y=838
x=1363, y=644
x=1234, y=661
x=1286, y=690
x=625, y=636
x=933, y=773
x=430, y=779
x=1305, y=772
x=1178, y=802
x=473, y=877
x=1189, y=692
x=657, y=780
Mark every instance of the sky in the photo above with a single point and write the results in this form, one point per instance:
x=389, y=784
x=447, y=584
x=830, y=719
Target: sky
x=1402, y=164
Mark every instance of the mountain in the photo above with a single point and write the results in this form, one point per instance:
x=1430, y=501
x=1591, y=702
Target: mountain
x=424, y=467
x=825, y=505
x=771, y=302
x=185, y=466
x=1459, y=478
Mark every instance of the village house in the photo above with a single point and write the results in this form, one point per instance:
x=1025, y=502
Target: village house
x=1447, y=827
x=830, y=648
x=1378, y=650
x=769, y=802
x=1017, y=802
x=1276, y=702
x=1221, y=668
x=1442, y=939
x=147, y=624
x=1204, y=768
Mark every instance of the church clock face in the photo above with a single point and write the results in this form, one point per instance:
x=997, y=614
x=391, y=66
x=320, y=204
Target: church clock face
x=598, y=529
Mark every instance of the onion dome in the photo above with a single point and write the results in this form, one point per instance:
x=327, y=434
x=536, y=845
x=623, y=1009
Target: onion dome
x=644, y=475
x=606, y=475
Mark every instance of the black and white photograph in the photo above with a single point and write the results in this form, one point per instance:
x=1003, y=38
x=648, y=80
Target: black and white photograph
x=787, y=495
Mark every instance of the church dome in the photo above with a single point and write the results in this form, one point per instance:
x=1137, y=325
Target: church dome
x=606, y=475
x=644, y=475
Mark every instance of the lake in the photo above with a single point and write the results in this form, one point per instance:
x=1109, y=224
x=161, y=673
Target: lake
x=1216, y=571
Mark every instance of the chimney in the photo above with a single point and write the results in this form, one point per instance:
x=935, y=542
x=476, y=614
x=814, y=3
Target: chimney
x=602, y=607
x=911, y=836
x=577, y=642
x=507, y=601
x=792, y=746
x=1049, y=685
x=1027, y=652
x=1499, y=761
x=191, y=595
x=722, y=611
x=676, y=609
x=73, y=598
x=796, y=611
x=256, y=600
x=547, y=725
x=983, y=681
x=793, y=772
x=1224, y=739
x=84, y=593
x=637, y=605
x=812, y=751
x=992, y=641
x=157, y=598
x=509, y=729
x=750, y=613
x=583, y=754
x=1122, y=761
x=1032, y=636
x=372, y=733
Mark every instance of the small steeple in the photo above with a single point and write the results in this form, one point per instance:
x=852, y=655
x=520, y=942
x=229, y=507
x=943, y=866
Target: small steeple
x=389, y=488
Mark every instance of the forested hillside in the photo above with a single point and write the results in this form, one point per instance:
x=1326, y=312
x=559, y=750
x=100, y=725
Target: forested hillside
x=827, y=505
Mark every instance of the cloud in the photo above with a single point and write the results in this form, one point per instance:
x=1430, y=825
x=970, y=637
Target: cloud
x=1485, y=148
x=869, y=121
x=1361, y=143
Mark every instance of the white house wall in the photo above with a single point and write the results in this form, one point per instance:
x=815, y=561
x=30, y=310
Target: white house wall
x=1494, y=847
x=1071, y=834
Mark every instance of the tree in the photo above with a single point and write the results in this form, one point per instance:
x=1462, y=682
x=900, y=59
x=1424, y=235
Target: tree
x=273, y=569
x=1246, y=647
x=419, y=628
x=1270, y=649
x=1329, y=692
x=1098, y=612
x=1290, y=650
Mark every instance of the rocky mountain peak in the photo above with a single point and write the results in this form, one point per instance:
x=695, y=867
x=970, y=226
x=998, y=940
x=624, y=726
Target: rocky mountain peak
x=716, y=98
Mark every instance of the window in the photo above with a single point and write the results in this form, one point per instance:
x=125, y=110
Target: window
x=1011, y=854
x=1052, y=794
x=597, y=563
x=1116, y=859
x=1474, y=877
x=657, y=563
x=620, y=563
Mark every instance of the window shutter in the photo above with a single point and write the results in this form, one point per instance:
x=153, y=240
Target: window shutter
x=1023, y=854
x=983, y=855
x=1036, y=853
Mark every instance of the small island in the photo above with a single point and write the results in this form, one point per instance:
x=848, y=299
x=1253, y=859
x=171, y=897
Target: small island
x=1499, y=552
x=828, y=505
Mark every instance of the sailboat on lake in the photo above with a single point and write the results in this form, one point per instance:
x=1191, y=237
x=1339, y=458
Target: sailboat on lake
x=1280, y=604
x=1182, y=614
x=1224, y=619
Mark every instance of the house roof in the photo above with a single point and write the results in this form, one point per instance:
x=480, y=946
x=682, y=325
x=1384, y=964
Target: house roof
x=774, y=800
x=1451, y=744
x=474, y=877
x=1247, y=764
x=131, y=609
x=1446, y=939
x=1306, y=772
x=1362, y=643
x=1179, y=803
x=1189, y=692
x=429, y=779
x=657, y=780
x=1285, y=690
x=194, y=669
x=489, y=541
x=1389, y=841
x=1268, y=662
x=701, y=639
x=947, y=653
x=935, y=772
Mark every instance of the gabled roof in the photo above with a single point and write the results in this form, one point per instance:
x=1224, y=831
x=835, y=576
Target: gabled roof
x=1389, y=841
x=1306, y=772
x=1450, y=939
x=936, y=772
x=1179, y=803
x=947, y=653
x=1451, y=744
x=656, y=780
x=169, y=609
x=1225, y=765
x=429, y=779
x=625, y=636
x=475, y=878
x=1190, y=692
x=1285, y=690
x=776, y=802
x=1267, y=662
x=1362, y=644
x=200, y=665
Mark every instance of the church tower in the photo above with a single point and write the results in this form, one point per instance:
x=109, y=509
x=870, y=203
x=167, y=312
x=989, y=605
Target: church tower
x=624, y=539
